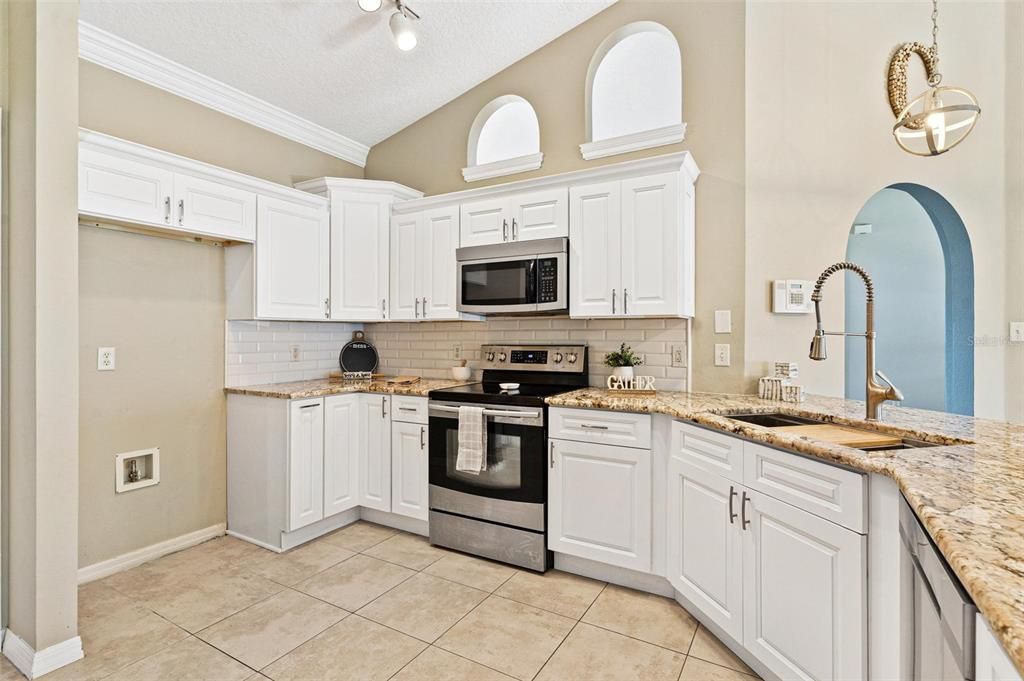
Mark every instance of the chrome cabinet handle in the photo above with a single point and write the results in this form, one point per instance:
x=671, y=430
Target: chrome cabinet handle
x=422, y=430
x=591, y=426
x=514, y=233
x=551, y=454
x=310, y=406
x=167, y=209
x=327, y=308
x=407, y=409
x=732, y=514
x=383, y=403
x=424, y=308
x=625, y=301
x=416, y=314
x=613, y=301
x=744, y=523
x=504, y=230
x=383, y=310
x=181, y=212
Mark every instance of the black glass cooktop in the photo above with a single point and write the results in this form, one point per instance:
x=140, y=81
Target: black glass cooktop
x=528, y=394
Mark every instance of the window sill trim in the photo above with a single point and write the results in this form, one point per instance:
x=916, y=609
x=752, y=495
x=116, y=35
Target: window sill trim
x=509, y=166
x=647, y=139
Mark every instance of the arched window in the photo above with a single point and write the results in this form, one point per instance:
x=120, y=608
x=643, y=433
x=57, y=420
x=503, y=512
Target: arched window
x=634, y=91
x=504, y=139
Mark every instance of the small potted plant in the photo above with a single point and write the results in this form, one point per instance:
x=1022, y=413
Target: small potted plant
x=622, y=361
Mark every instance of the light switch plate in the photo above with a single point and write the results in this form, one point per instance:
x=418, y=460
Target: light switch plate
x=679, y=356
x=723, y=321
x=1017, y=332
x=722, y=358
x=106, y=359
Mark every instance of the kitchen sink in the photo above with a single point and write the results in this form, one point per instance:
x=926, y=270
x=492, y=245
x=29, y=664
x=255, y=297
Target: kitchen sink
x=779, y=419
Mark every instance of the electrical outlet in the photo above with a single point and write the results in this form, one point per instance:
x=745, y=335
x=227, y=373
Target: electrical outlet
x=456, y=350
x=679, y=356
x=296, y=353
x=1017, y=332
x=722, y=354
x=106, y=359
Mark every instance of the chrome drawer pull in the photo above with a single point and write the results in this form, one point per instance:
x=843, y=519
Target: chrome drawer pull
x=591, y=426
x=743, y=511
x=732, y=514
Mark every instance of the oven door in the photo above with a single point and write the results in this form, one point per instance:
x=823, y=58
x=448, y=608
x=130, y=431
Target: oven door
x=516, y=459
x=498, y=285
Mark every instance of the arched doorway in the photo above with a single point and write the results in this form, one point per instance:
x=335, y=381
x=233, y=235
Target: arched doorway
x=916, y=248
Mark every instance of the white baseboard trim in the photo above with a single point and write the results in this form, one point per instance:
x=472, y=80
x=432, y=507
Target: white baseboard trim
x=631, y=579
x=34, y=664
x=396, y=521
x=111, y=566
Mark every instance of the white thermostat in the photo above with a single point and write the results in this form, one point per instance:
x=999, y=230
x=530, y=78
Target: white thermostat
x=791, y=296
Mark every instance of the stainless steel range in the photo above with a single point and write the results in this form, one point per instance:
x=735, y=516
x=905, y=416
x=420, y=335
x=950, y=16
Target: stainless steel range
x=500, y=512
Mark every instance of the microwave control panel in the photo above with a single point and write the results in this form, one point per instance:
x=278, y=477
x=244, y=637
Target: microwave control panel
x=547, y=280
x=567, y=358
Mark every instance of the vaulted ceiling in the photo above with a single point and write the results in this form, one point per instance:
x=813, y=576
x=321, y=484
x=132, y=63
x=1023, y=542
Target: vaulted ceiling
x=334, y=65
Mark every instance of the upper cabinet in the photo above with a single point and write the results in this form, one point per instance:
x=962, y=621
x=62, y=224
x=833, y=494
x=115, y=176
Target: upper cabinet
x=631, y=246
x=122, y=188
x=538, y=214
x=292, y=261
x=423, y=264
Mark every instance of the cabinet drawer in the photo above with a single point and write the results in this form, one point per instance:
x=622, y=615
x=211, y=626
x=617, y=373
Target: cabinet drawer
x=409, y=409
x=710, y=451
x=606, y=427
x=825, y=490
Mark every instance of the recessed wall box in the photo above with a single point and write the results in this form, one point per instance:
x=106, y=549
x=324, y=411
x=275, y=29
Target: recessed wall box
x=791, y=296
x=135, y=470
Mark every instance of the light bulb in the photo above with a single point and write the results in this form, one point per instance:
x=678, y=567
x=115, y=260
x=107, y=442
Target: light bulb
x=403, y=31
x=370, y=5
x=936, y=120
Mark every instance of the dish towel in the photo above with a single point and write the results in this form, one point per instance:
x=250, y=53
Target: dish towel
x=472, y=457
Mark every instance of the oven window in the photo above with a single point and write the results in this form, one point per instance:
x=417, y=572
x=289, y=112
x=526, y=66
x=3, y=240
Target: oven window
x=504, y=463
x=499, y=283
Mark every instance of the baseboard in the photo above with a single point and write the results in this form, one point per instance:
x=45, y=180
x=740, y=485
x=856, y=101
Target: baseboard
x=111, y=566
x=396, y=521
x=631, y=579
x=34, y=664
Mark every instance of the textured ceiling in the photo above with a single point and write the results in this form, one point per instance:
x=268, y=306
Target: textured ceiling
x=335, y=65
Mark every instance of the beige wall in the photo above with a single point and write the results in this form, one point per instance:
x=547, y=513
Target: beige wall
x=431, y=153
x=117, y=105
x=818, y=146
x=160, y=302
x=1015, y=203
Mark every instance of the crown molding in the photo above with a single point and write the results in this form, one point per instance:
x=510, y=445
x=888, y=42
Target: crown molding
x=115, y=53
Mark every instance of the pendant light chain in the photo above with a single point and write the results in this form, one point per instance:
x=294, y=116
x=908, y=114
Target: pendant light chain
x=935, y=78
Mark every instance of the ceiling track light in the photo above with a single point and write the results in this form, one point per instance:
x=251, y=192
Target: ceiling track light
x=937, y=120
x=370, y=5
x=402, y=26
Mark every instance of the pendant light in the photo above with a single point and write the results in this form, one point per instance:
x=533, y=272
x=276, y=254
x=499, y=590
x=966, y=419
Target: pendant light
x=940, y=118
x=402, y=28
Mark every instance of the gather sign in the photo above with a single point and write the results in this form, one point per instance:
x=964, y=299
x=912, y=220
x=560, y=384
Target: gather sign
x=631, y=384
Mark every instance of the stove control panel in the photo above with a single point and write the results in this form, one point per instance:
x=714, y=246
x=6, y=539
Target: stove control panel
x=565, y=358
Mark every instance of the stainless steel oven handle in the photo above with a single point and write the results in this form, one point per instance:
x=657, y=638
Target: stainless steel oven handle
x=492, y=412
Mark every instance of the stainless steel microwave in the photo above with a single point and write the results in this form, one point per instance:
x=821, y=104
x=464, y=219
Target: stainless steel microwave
x=517, y=277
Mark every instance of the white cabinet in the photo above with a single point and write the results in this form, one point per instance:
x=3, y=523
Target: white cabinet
x=341, y=453
x=305, y=463
x=116, y=187
x=409, y=470
x=991, y=661
x=632, y=246
x=423, y=265
x=705, y=550
x=805, y=613
x=206, y=207
x=292, y=260
x=537, y=214
x=599, y=503
x=374, y=452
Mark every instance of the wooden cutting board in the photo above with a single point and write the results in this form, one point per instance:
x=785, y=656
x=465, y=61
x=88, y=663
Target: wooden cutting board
x=848, y=437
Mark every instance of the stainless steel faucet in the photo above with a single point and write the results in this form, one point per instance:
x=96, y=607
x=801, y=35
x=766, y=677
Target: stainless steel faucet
x=876, y=393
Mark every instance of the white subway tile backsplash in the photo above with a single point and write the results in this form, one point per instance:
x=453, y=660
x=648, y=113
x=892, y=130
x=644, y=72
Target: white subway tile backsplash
x=258, y=352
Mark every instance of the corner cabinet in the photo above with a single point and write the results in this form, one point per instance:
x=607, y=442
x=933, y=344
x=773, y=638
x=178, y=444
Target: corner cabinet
x=292, y=260
x=632, y=243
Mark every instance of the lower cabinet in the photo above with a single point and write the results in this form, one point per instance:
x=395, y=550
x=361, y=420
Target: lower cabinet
x=599, y=503
x=409, y=470
x=374, y=452
x=341, y=453
x=305, y=463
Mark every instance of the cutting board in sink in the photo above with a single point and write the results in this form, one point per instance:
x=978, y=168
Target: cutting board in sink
x=848, y=437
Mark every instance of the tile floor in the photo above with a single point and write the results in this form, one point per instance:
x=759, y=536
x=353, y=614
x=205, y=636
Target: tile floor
x=367, y=603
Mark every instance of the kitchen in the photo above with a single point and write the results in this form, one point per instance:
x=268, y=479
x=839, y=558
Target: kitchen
x=488, y=222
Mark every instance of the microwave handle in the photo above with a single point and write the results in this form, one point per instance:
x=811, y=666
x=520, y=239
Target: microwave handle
x=531, y=281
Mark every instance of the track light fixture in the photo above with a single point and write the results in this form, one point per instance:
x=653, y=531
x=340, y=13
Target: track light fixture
x=401, y=23
x=370, y=5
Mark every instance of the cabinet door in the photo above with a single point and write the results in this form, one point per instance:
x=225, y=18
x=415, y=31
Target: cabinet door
x=705, y=543
x=651, y=246
x=215, y=209
x=111, y=186
x=292, y=260
x=599, y=503
x=441, y=238
x=805, y=609
x=305, y=463
x=360, y=232
x=484, y=222
x=375, y=452
x=409, y=470
x=406, y=259
x=594, y=257
x=341, y=453
x=541, y=214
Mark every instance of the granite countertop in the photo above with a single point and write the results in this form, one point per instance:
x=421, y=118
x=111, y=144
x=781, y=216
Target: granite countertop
x=322, y=387
x=967, y=491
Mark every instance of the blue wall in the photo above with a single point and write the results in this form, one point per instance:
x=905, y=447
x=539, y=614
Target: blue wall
x=904, y=256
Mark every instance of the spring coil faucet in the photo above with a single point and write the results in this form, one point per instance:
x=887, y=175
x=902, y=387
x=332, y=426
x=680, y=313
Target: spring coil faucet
x=876, y=393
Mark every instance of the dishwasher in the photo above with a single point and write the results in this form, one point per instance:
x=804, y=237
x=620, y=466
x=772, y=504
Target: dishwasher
x=943, y=614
